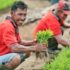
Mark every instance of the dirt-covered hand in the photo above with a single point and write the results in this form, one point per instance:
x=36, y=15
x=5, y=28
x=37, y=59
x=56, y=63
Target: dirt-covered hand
x=40, y=48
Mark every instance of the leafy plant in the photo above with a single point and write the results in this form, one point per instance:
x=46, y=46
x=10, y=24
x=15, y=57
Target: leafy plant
x=43, y=36
x=61, y=62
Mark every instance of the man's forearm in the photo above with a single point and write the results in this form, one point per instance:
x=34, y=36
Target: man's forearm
x=64, y=43
x=66, y=25
x=60, y=40
x=21, y=48
x=28, y=43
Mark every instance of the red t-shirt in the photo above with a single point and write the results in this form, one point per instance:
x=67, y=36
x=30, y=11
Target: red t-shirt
x=49, y=21
x=7, y=37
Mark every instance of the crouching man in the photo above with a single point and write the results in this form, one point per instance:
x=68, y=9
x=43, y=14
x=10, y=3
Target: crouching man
x=12, y=49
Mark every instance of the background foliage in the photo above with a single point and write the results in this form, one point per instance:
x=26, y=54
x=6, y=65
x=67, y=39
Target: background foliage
x=6, y=3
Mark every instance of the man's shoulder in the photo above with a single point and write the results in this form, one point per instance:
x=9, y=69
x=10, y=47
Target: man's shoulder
x=47, y=16
x=6, y=25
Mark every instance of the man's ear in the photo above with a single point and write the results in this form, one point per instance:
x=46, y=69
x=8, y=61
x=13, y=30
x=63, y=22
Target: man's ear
x=11, y=12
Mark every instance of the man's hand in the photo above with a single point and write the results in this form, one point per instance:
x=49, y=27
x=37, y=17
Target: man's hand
x=40, y=48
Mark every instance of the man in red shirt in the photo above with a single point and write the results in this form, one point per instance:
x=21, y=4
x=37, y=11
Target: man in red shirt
x=12, y=49
x=53, y=20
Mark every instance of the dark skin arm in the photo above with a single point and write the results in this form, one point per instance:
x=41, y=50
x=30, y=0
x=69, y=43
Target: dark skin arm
x=65, y=25
x=21, y=48
x=61, y=41
x=29, y=43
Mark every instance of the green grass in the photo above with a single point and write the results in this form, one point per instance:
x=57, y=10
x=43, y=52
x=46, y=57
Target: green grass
x=61, y=62
x=6, y=3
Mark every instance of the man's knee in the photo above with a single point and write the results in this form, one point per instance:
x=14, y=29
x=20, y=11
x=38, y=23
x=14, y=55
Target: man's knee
x=15, y=61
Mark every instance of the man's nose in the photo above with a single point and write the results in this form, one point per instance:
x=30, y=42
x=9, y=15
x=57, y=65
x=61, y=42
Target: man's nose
x=23, y=18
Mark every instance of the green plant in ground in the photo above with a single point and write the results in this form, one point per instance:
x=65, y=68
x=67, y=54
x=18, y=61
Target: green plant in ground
x=43, y=36
x=6, y=3
x=61, y=62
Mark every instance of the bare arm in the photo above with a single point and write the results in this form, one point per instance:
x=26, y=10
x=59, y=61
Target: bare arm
x=60, y=40
x=66, y=25
x=21, y=48
x=29, y=43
